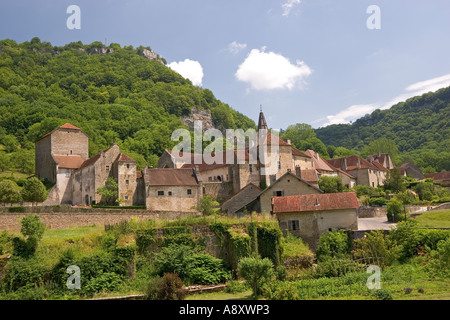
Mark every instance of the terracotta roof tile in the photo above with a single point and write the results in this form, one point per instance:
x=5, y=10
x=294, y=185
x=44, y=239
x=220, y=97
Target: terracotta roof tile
x=170, y=177
x=64, y=126
x=297, y=152
x=68, y=161
x=315, y=202
x=69, y=126
x=352, y=163
x=236, y=193
x=318, y=162
x=122, y=157
x=90, y=161
x=309, y=175
x=438, y=176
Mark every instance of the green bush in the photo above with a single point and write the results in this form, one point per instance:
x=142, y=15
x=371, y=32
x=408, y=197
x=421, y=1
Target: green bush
x=17, y=209
x=191, y=265
x=376, y=249
x=256, y=272
x=395, y=210
x=333, y=244
x=20, y=272
x=235, y=286
x=270, y=242
x=108, y=282
x=169, y=287
x=377, y=201
x=383, y=294
x=280, y=290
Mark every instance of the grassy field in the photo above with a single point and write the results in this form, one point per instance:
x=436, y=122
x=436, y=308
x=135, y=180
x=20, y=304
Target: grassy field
x=434, y=219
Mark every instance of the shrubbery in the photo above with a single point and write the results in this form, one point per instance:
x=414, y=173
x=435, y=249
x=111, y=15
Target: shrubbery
x=256, y=272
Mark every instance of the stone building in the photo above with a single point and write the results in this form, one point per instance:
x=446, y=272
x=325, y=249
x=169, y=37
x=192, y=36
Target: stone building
x=366, y=173
x=287, y=185
x=62, y=158
x=409, y=169
x=171, y=189
x=308, y=216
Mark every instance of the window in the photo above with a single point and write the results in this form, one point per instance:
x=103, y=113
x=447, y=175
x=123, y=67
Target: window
x=189, y=191
x=279, y=165
x=67, y=174
x=128, y=166
x=107, y=168
x=160, y=193
x=169, y=193
x=127, y=181
x=294, y=225
x=251, y=168
x=126, y=197
x=278, y=193
x=70, y=151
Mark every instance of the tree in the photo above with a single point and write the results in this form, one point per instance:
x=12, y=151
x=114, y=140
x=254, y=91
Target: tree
x=10, y=142
x=24, y=160
x=4, y=161
x=331, y=184
x=33, y=230
x=333, y=244
x=255, y=271
x=9, y=192
x=109, y=191
x=382, y=145
x=395, y=210
x=207, y=206
x=395, y=181
x=33, y=190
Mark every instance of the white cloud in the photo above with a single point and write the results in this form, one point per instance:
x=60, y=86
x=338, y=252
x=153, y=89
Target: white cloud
x=266, y=71
x=189, y=69
x=288, y=5
x=236, y=47
x=352, y=112
x=416, y=89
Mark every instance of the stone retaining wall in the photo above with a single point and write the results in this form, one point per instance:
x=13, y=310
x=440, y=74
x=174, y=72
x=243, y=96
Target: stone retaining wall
x=62, y=220
x=371, y=212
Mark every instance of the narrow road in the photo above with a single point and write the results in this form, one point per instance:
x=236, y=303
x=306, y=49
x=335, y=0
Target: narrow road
x=379, y=223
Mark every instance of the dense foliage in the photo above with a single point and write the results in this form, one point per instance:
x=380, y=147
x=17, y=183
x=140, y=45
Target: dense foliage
x=114, y=96
x=419, y=127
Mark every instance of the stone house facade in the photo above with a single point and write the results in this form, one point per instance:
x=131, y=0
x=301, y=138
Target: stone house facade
x=308, y=216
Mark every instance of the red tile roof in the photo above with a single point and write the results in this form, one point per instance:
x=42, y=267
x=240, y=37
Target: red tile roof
x=352, y=163
x=318, y=162
x=170, y=177
x=68, y=161
x=440, y=176
x=309, y=175
x=315, y=202
x=90, y=161
x=69, y=126
x=297, y=152
x=64, y=126
x=122, y=157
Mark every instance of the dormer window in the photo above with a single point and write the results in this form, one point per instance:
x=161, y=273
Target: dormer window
x=317, y=202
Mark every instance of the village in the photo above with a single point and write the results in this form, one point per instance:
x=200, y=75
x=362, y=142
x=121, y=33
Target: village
x=292, y=194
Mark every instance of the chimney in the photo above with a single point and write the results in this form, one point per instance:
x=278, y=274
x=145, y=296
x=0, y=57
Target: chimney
x=288, y=141
x=358, y=163
x=316, y=155
x=298, y=171
x=344, y=164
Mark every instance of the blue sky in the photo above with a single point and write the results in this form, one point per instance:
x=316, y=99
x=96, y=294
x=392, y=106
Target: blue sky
x=304, y=61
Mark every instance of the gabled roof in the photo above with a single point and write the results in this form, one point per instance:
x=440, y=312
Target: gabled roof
x=352, y=163
x=238, y=192
x=68, y=161
x=90, y=161
x=315, y=202
x=309, y=175
x=122, y=157
x=318, y=162
x=170, y=177
x=64, y=126
x=296, y=152
x=439, y=176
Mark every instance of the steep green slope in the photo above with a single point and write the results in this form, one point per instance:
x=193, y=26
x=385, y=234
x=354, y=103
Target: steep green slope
x=420, y=127
x=114, y=94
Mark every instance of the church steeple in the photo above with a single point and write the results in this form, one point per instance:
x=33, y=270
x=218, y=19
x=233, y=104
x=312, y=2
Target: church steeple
x=262, y=124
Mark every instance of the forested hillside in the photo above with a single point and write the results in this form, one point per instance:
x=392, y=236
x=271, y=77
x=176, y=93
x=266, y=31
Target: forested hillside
x=420, y=127
x=114, y=93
